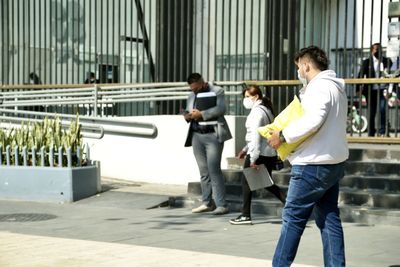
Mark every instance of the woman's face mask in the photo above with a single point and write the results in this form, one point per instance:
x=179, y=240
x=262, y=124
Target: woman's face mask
x=248, y=102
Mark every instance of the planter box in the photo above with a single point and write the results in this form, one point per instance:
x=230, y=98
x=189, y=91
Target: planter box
x=50, y=184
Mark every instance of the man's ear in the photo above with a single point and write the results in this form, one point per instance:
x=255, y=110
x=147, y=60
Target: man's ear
x=307, y=66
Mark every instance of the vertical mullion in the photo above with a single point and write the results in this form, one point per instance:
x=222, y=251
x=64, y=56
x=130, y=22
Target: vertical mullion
x=353, y=52
x=305, y=24
x=202, y=34
x=288, y=67
x=107, y=38
x=244, y=43
x=28, y=66
x=40, y=38
x=126, y=39
x=175, y=48
x=68, y=49
x=215, y=39
x=51, y=26
x=100, y=58
x=329, y=27
x=237, y=41
x=34, y=39
x=131, y=43
x=229, y=41
x=251, y=40
x=259, y=41
x=151, y=37
x=73, y=40
x=266, y=44
x=89, y=48
x=137, y=44
x=113, y=41
x=60, y=80
x=12, y=42
x=222, y=61
x=337, y=34
x=182, y=45
x=345, y=41
x=45, y=45
x=208, y=37
x=19, y=46
x=280, y=41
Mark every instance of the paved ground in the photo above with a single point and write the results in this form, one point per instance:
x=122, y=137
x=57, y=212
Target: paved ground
x=115, y=229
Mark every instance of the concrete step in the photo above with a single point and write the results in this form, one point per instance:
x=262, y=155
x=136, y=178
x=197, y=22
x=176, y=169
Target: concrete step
x=234, y=176
x=368, y=215
x=372, y=168
x=270, y=208
x=236, y=190
x=387, y=155
x=387, y=183
x=369, y=198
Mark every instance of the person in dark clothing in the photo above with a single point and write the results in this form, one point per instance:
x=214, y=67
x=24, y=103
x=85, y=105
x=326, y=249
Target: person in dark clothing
x=92, y=78
x=373, y=67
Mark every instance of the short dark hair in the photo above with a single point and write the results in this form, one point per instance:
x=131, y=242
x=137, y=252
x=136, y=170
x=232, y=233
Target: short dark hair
x=378, y=44
x=316, y=55
x=194, y=77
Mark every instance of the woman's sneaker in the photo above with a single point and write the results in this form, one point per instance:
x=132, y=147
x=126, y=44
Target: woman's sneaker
x=241, y=220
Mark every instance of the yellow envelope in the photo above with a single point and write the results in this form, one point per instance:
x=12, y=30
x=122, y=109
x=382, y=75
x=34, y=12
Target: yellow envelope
x=292, y=112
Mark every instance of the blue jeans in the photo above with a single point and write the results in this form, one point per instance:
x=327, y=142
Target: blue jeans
x=312, y=187
x=208, y=151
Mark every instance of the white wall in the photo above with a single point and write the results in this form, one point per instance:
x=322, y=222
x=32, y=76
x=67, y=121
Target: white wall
x=162, y=160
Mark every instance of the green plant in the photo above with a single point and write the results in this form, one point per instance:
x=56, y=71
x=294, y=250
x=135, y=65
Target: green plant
x=48, y=134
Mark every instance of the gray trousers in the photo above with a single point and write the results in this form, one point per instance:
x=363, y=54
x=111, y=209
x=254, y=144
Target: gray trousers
x=208, y=151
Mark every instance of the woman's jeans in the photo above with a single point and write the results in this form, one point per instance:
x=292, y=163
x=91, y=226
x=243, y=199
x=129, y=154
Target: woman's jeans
x=312, y=187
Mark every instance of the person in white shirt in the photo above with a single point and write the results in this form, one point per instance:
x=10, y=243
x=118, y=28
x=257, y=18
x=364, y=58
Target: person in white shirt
x=257, y=150
x=373, y=67
x=318, y=163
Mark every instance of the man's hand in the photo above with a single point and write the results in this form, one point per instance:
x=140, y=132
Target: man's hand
x=275, y=141
x=187, y=116
x=196, y=114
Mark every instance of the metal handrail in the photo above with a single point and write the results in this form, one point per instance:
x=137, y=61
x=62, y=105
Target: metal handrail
x=88, y=131
x=103, y=125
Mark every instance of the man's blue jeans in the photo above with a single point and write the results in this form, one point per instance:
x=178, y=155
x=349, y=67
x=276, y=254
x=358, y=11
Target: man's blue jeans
x=312, y=187
x=208, y=151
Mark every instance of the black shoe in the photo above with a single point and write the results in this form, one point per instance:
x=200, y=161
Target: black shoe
x=241, y=220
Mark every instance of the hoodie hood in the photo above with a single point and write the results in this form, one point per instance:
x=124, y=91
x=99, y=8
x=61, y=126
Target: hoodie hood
x=331, y=76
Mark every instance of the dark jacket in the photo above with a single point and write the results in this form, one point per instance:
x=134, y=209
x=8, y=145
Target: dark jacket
x=367, y=71
x=221, y=129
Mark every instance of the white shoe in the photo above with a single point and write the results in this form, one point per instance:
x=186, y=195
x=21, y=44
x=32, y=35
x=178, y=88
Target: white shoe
x=220, y=211
x=202, y=208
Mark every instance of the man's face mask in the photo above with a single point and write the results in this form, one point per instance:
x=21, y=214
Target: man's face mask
x=302, y=79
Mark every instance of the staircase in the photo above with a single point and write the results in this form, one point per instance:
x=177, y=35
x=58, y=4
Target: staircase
x=369, y=192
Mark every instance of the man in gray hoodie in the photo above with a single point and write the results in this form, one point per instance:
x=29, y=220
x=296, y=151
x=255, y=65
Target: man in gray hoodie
x=318, y=163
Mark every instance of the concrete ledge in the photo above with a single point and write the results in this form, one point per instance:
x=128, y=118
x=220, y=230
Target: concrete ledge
x=49, y=184
x=374, y=140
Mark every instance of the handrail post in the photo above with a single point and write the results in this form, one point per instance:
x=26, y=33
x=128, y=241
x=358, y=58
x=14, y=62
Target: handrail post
x=95, y=100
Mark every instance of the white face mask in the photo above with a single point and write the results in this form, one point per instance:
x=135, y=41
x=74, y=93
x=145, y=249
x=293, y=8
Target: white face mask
x=302, y=80
x=248, y=103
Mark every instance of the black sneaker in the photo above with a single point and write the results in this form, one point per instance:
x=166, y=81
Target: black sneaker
x=241, y=220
